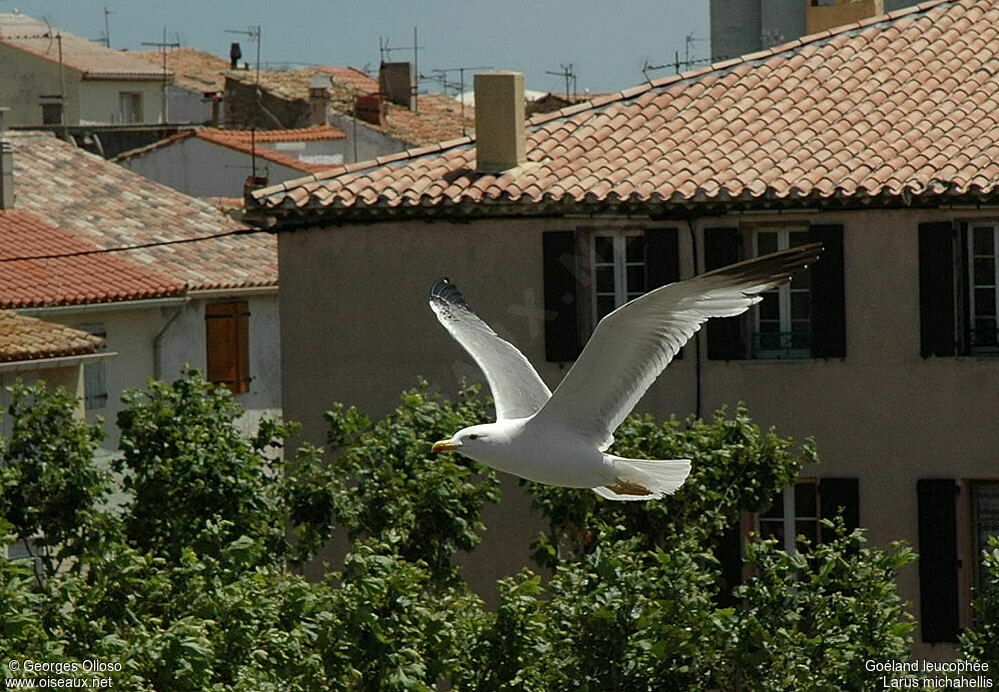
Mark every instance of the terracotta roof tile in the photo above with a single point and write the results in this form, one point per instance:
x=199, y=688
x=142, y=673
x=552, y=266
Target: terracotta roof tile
x=849, y=112
x=92, y=59
x=192, y=69
x=78, y=275
x=109, y=206
x=25, y=338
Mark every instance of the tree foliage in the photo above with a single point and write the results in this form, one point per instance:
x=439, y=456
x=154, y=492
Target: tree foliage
x=194, y=582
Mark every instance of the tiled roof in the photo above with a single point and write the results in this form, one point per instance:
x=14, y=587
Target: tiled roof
x=242, y=140
x=435, y=118
x=92, y=59
x=28, y=338
x=72, y=274
x=193, y=69
x=112, y=207
x=898, y=109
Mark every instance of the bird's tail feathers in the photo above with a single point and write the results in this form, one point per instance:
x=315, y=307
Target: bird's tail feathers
x=644, y=479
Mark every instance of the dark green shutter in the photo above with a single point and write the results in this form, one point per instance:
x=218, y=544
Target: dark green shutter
x=723, y=246
x=662, y=260
x=936, y=289
x=840, y=495
x=938, y=563
x=561, y=304
x=828, y=294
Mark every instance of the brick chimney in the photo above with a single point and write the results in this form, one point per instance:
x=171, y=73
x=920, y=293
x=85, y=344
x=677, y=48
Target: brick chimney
x=319, y=99
x=6, y=164
x=499, y=121
x=395, y=79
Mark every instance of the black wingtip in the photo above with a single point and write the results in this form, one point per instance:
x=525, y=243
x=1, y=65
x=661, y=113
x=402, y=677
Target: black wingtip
x=447, y=292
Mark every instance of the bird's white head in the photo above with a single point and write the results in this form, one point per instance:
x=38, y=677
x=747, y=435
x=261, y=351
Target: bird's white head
x=471, y=440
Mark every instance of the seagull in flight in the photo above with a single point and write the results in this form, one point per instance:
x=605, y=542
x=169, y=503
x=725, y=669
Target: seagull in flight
x=561, y=438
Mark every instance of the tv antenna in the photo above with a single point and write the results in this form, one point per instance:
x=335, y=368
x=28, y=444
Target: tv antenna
x=569, y=76
x=163, y=45
x=253, y=34
x=106, y=38
x=677, y=64
x=460, y=86
x=385, y=54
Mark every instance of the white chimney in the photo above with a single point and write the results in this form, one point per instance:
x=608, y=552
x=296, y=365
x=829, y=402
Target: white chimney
x=6, y=164
x=499, y=121
x=319, y=99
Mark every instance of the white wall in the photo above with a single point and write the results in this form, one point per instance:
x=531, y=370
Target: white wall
x=99, y=100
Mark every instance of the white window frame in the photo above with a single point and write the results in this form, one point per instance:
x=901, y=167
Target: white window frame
x=131, y=107
x=789, y=520
x=783, y=293
x=620, y=266
x=972, y=286
x=979, y=537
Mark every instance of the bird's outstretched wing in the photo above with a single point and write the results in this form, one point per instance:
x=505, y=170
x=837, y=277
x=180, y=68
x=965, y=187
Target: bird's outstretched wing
x=632, y=345
x=517, y=389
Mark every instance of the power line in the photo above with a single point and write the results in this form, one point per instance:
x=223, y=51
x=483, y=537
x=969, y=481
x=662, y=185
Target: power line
x=127, y=248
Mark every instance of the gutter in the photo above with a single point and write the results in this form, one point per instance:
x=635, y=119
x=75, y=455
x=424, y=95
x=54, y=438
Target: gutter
x=101, y=307
x=244, y=291
x=57, y=362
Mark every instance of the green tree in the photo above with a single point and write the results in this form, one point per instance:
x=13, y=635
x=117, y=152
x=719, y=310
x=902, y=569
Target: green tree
x=981, y=642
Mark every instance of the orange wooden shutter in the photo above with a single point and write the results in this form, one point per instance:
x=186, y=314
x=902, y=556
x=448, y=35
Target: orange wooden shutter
x=227, y=339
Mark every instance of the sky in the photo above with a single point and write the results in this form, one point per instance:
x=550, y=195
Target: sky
x=606, y=43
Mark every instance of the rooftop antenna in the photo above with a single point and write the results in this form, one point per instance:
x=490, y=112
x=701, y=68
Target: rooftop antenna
x=107, y=26
x=163, y=45
x=460, y=87
x=385, y=54
x=253, y=33
x=677, y=64
x=568, y=75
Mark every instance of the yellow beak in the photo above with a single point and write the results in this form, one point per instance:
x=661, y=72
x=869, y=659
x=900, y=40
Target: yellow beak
x=444, y=446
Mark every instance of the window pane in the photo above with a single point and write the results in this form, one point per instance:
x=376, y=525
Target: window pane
x=766, y=243
x=984, y=241
x=986, y=504
x=605, y=279
x=801, y=303
x=776, y=509
x=605, y=305
x=636, y=278
x=985, y=302
x=985, y=332
x=985, y=271
x=603, y=246
x=804, y=500
x=798, y=238
x=770, y=307
x=772, y=529
x=802, y=280
x=634, y=248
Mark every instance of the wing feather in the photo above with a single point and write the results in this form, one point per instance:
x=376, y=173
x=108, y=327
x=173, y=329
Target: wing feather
x=518, y=391
x=632, y=345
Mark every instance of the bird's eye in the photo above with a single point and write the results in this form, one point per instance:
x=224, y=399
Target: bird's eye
x=474, y=437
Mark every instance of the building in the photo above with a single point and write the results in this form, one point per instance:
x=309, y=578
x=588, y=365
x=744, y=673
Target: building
x=879, y=140
x=52, y=77
x=739, y=27
x=194, y=95
x=210, y=162
x=161, y=278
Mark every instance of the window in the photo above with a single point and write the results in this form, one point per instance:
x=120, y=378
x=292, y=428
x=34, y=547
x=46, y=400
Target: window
x=130, y=107
x=51, y=110
x=95, y=388
x=590, y=272
x=782, y=320
x=227, y=340
x=618, y=262
x=794, y=513
x=985, y=523
x=805, y=318
x=983, y=286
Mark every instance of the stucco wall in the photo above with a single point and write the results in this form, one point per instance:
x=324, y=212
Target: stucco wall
x=356, y=329
x=99, y=100
x=202, y=169
x=25, y=77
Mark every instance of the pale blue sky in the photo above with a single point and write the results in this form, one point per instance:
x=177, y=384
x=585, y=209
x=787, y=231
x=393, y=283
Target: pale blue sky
x=606, y=42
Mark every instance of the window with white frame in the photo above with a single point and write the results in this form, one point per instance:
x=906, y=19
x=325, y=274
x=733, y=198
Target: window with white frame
x=618, y=262
x=983, y=284
x=985, y=523
x=95, y=387
x=130, y=107
x=794, y=513
x=783, y=318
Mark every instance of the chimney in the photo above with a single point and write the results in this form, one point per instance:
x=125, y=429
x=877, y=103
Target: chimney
x=395, y=79
x=499, y=121
x=821, y=15
x=235, y=53
x=6, y=164
x=370, y=108
x=319, y=99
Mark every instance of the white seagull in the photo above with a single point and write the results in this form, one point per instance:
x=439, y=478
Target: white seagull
x=561, y=438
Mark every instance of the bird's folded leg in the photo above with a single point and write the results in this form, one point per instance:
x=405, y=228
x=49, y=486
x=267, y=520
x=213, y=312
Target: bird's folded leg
x=623, y=487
